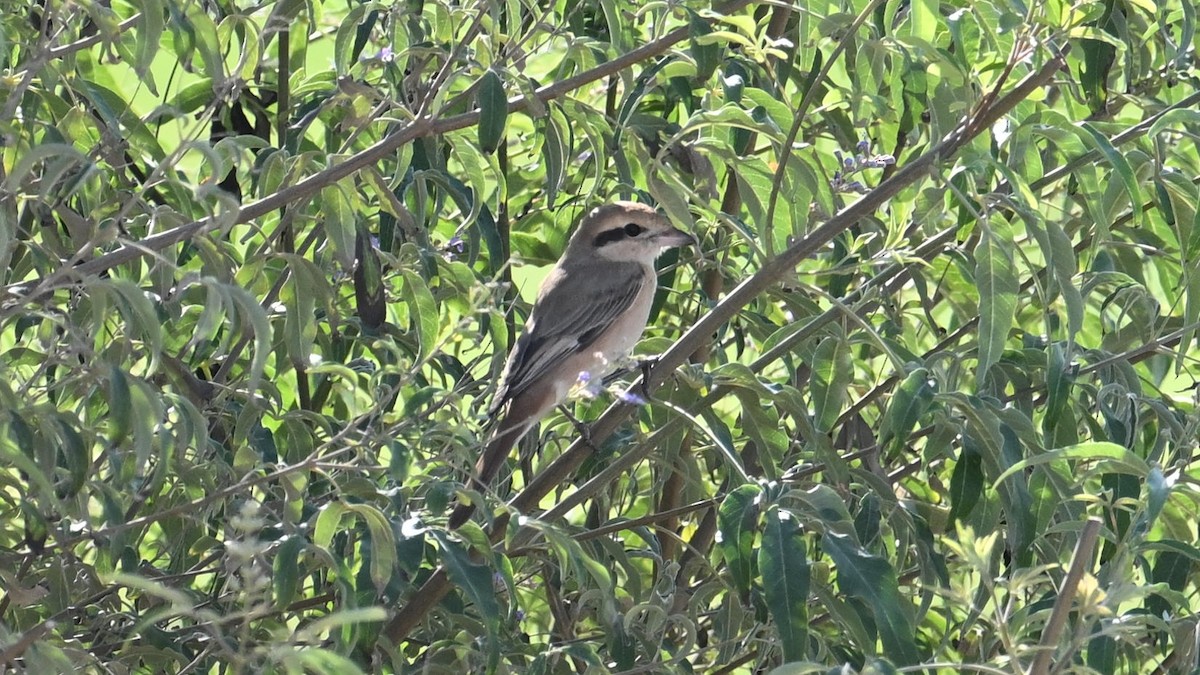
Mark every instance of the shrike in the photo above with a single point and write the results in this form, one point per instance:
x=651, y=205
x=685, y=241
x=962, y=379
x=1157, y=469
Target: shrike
x=589, y=313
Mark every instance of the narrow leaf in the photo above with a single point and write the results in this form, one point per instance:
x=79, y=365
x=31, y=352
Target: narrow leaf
x=736, y=521
x=997, y=283
x=493, y=110
x=473, y=578
x=120, y=406
x=872, y=580
x=966, y=484
x=555, y=152
x=286, y=566
x=339, y=224
x=1114, y=458
x=831, y=373
x=1120, y=165
x=424, y=312
x=785, y=570
x=910, y=401
x=383, y=543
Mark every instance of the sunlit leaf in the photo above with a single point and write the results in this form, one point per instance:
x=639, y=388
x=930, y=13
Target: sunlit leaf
x=871, y=579
x=737, y=521
x=783, y=563
x=997, y=281
x=832, y=372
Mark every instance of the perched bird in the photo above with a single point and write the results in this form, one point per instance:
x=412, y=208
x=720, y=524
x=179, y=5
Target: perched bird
x=589, y=313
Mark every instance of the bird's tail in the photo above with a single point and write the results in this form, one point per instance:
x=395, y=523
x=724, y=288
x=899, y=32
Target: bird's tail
x=498, y=448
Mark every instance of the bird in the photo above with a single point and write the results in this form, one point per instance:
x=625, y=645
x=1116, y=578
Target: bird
x=589, y=313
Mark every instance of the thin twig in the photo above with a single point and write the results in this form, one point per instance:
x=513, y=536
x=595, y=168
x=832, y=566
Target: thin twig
x=1081, y=560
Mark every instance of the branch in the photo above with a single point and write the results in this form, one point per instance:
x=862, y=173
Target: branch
x=1081, y=560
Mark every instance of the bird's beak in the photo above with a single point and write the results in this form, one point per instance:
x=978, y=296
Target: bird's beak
x=676, y=237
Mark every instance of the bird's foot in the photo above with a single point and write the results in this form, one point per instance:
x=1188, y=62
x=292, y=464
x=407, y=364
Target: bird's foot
x=584, y=431
x=642, y=365
x=647, y=365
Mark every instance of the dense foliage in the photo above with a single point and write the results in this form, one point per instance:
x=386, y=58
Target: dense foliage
x=927, y=392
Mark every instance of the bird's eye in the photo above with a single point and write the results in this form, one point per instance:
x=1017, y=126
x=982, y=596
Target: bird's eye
x=633, y=229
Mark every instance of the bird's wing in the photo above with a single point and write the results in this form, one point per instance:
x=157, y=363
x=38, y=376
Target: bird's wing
x=565, y=321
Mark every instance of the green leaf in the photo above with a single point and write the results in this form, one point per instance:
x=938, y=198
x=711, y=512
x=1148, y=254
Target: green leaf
x=997, y=282
x=141, y=319
x=872, y=580
x=120, y=406
x=493, y=110
x=424, y=312
x=1173, y=117
x=707, y=55
x=286, y=567
x=1065, y=267
x=325, y=662
x=195, y=31
x=785, y=571
x=761, y=423
x=1120, y=165
x=1157, y=492
x=252, y=318
x=923, y=20
x=328, y=519
x=339, y=222
x=832, y=370
x=556, y=150
x=737, y=520
x=966, y=484
x=909, y=402
x=34, y=477
x=344, y=55
x=299, y=322
x=383, y=542
x=827, y=505
x=1108, y=457
x=475, y=579
x=147, y=40
x=75, y=456
x=1058, y=388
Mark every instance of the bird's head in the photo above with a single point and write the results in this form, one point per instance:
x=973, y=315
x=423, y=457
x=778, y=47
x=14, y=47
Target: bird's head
x=626, y=232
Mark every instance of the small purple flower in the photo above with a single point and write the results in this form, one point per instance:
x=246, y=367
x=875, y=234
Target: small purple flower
x=386, y=55
x=863, y=147
x=631, y=398
x=454, y=248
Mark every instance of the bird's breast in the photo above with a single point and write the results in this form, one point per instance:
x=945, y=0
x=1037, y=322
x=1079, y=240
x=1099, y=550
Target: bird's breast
x=617, y=342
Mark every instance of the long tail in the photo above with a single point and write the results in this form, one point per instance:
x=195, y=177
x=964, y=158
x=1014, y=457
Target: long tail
x=498, y=448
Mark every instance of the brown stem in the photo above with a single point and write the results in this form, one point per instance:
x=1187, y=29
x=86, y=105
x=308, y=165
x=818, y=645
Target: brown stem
x=1081, y=560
